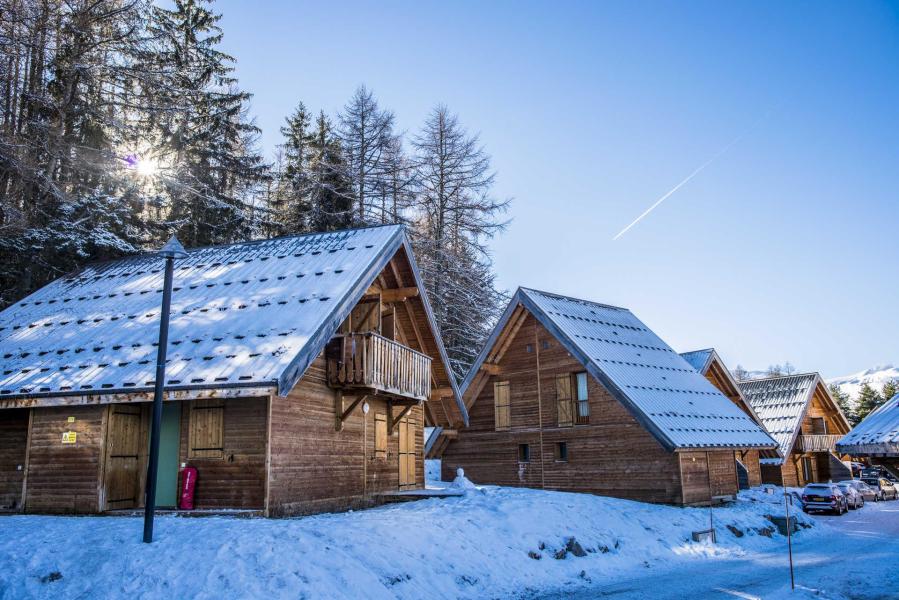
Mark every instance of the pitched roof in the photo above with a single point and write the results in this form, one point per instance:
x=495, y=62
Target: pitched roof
x=248, y=314
x=702, y=361
x=663, y=392
x=877, y=434
x=699, y=359
x=781, y=403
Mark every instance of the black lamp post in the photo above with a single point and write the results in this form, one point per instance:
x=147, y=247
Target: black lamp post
x=172, y=250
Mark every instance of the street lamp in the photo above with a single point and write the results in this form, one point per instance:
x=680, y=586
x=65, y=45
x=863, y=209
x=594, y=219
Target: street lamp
x=172, y=250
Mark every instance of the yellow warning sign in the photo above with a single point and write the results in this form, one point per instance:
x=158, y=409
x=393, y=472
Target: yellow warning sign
x=69, y=437
x=71, y=419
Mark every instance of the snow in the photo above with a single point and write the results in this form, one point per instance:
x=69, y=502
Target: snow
x=491, y=541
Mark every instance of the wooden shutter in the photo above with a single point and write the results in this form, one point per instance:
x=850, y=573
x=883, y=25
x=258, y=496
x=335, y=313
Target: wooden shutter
x=563, y=396
x=501, y=404
x=207, y=429
x=380, y=435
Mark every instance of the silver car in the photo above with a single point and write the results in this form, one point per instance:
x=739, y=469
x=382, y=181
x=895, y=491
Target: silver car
x=853, y=498
x=862, y=488
x=824, y=497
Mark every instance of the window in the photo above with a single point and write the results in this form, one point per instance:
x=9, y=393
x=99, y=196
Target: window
x=524, y=453
x=561, y=452
x=819, y=426
x=501, y=404
x=380, y=435
x=207, y=429
x=583, y=403
x=563, y=398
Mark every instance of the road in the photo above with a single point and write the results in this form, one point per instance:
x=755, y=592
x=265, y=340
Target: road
x=854, y=560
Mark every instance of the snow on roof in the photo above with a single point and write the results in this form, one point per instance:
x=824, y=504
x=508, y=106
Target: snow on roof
x=878, y=433
x=680, y=407
x=248, y=314
x=698, y=359
x=780, y=403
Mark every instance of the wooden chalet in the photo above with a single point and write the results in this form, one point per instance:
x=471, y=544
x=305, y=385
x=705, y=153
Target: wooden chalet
x=709, y=364
x=583, y=397
x=799, y=412
x=300, y=374
x=876, y=438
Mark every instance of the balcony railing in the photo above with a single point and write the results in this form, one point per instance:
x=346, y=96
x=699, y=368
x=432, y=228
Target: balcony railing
x=817, y=443
x=372, y=362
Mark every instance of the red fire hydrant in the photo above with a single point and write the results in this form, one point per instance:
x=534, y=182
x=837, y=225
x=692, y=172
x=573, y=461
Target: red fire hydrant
x=188, y=486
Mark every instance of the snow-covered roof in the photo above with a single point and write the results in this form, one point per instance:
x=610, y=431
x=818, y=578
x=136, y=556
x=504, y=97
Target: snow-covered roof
x=699, y=359
x=877, y=434
x=680, y=407
x=248, y=314
x=781, y=403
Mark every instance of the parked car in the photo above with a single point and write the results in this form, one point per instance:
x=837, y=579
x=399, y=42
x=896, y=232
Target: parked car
x=883, y=489
x=853, y=498
x=866, y=491
x=824, y=497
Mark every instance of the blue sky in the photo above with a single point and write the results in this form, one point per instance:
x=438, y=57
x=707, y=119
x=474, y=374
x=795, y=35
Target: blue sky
x=784, y=248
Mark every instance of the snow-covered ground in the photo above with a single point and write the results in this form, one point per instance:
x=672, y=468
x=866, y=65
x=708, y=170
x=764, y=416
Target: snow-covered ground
x=491, y=541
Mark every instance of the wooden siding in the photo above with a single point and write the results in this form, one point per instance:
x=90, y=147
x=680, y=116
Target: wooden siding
x=750, y=460
x=315, y=468
x=65, y=478
x=13, y=442
x=612, y=455
x=237, y=479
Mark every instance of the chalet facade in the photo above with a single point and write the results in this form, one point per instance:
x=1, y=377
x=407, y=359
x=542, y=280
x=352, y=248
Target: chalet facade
x=709, y=364
x=578, y=396
x=876, y=438
x=799, y=412
x=300, y=374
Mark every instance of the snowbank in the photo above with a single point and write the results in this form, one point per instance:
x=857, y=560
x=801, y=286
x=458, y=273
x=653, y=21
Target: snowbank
x=494, y=543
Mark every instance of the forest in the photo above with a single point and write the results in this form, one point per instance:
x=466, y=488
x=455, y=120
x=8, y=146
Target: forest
x=123, y=123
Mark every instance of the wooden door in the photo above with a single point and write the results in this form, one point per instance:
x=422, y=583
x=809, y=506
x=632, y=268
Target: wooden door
x=407, y=453
x=13, y=443
x=123, y=457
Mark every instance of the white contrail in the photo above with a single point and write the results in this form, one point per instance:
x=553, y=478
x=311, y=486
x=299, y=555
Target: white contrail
x=689, y=177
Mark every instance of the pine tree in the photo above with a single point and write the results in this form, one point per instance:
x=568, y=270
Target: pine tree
x=890, y=389
x=205, y=137
x=294, y=176
x=868, y=401
x=330, y=190
x=844, y=402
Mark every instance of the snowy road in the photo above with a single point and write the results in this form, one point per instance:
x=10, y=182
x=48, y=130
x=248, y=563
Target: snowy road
x=855, y=561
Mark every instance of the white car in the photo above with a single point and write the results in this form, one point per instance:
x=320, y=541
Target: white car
x=853, y=497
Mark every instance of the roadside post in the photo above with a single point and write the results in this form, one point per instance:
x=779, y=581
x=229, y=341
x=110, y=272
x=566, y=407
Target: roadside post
x=788, y=500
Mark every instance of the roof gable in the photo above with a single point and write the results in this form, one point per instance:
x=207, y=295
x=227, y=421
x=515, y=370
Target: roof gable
x=710, y=358
x=249, y=314
x=782, y=402
x=664, y=393
x=878, y=433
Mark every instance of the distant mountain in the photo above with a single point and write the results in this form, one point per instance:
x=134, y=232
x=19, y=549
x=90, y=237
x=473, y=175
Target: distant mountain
x=875, y=377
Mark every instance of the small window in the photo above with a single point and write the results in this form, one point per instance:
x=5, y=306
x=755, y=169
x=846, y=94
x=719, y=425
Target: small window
x=583, y=402
x=207, y=429
x=502, y=405
x=524, y=453
x=529, y=348
x=380, y=435
x=561, y=452
x=545, y=345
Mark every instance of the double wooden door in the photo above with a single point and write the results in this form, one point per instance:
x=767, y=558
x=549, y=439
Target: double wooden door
x=407, y=452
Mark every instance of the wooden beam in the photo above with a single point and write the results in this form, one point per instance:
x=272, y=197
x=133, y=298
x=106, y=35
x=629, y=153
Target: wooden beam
x=509, y=335
x=394, y=421
x=398, y=294
x=439, y=392
x=490, y=368
x=342, y=413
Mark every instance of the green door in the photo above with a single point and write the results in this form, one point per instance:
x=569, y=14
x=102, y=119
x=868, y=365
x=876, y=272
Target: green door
x=167, y=477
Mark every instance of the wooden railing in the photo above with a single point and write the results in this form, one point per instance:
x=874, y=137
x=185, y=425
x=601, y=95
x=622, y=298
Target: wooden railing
x=817, y=443
x=371, y=361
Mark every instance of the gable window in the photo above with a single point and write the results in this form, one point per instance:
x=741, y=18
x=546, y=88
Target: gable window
x=207, y=429
x=819, y=426
x=380, y=435
x=561, y=452
x=524, y=453
x=583, y=402
x=502, y=405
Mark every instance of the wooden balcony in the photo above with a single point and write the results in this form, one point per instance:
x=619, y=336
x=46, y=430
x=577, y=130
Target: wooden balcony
x=817, y=443
x=370, y=363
